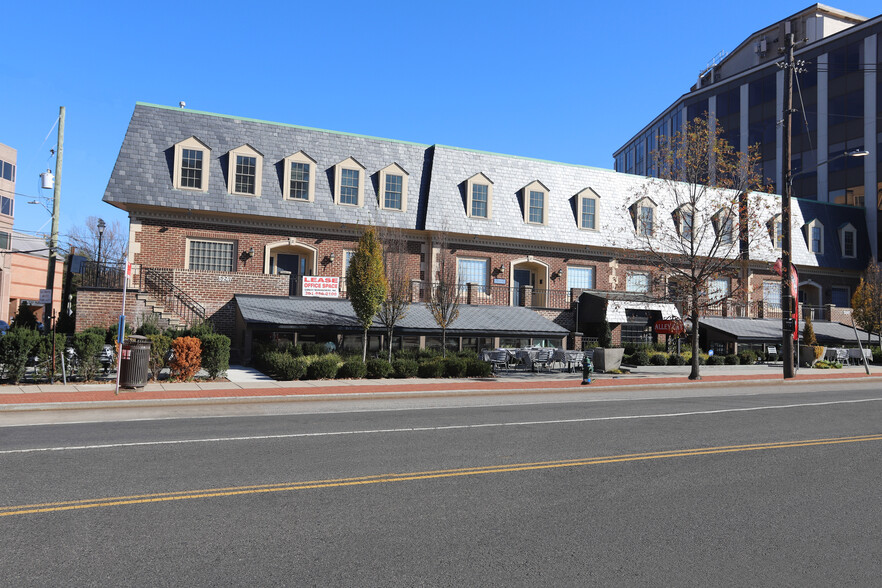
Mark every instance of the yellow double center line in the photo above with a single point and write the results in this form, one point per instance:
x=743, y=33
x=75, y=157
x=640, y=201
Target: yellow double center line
x=410, y=476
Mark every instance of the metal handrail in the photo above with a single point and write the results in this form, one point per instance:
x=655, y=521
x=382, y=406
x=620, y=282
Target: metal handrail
x=182, y=304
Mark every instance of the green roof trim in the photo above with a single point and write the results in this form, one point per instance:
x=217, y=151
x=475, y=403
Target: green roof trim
x=278, y=124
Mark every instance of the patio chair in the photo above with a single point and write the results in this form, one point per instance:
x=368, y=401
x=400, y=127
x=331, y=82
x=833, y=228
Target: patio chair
x=498, y=359
x=543, y=358
x=842, y=356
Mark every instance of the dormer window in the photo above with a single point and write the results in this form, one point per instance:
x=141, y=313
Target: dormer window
x=535, y=203
x=349, y=183
x=776, y=231
x=245, y=171
x=191, y=165
x=724, y=227
x=684, y=219
x=643, y=216
x=814, y=237
x=393, y=188
x=479, y=196
x=586, y=205
x=848, y=240
x=299, y=180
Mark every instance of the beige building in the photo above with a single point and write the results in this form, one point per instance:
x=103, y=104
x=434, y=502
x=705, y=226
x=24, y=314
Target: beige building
x=29, y=263
x=8, y=157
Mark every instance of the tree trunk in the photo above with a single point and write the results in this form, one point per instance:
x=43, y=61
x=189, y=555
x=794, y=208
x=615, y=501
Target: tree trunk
x=364, y=345
x=389, y=334
x=694, y=374
x=444, y=343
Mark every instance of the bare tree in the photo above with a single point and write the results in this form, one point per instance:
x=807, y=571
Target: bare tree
x=444, y=291
x=866, y=303
x=394, y=306
x=85, y=239
x=697, y=220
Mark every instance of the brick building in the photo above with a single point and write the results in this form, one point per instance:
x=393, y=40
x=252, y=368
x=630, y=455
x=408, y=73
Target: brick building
x=222, y=205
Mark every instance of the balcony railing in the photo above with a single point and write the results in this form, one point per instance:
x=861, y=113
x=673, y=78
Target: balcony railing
x=110, y=276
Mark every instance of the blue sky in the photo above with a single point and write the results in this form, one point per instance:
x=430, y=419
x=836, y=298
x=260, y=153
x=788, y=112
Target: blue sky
x=565, y=81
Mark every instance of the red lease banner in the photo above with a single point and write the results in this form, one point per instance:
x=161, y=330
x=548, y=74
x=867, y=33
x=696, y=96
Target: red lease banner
x=669, y=327
x=322, y=286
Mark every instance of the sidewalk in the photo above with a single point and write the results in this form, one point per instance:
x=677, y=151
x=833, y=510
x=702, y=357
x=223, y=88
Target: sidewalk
x=246, y=383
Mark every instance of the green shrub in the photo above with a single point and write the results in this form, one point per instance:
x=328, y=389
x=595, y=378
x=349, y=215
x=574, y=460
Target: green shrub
x=406, y=354
x=353, y=368
x=202, y=328
x=149, y=325
x=215, y=354
x=323, y=368
x=640, y=357
x=16, y=347
x=475, y=368
x=314, y=349
x=159, y=347
x=88, y=346
x=630, y=348
x=430, y=369
x=43, y=351
x=715, y=360
x=658, y=359
x=285, y=366
x=110, y=332
x=676, y=359
x=660, y=347
x=426, y=354
x=731, y=359
x=747, y=357
x=405, y=367
x=454, y=367
x=467, y=354
x=378, y=368
x=877, y=354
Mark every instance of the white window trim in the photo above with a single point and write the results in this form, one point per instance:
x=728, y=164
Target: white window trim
x=396, y=170
x=808, y=236
x=679, y=214
x=479, y=178
x=773, y=230
x=588, y=194
x=583, y=267
x=189, y=240
x=848, y=228
x=535, y=186
x=195, y=144
x=639, y=273
x=351, y=164
x=719, y=223
x=485, y=288
x=727, y=294
x=645, y=202
x=248, y=151
x=299, y=157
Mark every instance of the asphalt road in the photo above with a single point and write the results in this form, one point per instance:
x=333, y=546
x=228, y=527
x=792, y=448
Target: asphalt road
x=711, y=487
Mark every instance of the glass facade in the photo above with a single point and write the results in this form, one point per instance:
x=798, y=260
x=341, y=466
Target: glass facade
x=804, y=134
x=845, y=123
x=762, y=124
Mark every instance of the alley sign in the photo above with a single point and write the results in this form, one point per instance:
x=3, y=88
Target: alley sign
x=669, y=327
x=323, y=286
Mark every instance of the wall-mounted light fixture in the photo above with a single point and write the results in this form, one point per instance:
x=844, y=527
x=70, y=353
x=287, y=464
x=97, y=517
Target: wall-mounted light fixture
x=557, y=273
x=332, y=257
x=502, y=268
x=246, y=255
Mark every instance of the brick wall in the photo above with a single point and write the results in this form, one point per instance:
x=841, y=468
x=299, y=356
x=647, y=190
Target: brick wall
x=101, y=308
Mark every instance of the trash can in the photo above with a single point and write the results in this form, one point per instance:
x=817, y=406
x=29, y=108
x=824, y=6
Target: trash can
x=134, y=363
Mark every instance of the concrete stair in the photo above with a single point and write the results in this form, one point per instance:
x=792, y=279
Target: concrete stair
x=166, y=318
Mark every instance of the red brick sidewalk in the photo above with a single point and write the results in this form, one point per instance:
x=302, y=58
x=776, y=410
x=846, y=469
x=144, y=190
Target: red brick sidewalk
x=397, y=387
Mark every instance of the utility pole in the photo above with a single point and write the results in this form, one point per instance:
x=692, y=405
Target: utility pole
x=788, y=321
x=56, y=206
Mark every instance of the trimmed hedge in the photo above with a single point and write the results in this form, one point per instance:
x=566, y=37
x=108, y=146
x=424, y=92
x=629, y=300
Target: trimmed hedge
x=431, y=369
x=640, y=357
x=676, y=359
x=658, y=359
x=352, y=368
x=732, y=359
x=454, y=367
x=476, y=368
x=16, y=347
x=323, y=368
x=747, y=357
x=378, y=368
x=715, y=360
x=405, y=367
x=88, y=346
x=285, y=366
x=215, y=354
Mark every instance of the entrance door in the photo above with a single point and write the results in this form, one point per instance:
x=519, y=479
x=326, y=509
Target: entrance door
x=521, y=277
x=285, y=262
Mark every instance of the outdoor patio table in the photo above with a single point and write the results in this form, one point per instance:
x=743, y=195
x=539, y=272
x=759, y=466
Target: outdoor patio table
x=572, y=359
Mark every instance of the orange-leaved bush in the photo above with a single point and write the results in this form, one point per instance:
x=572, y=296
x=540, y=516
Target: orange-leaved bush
x=187, y=358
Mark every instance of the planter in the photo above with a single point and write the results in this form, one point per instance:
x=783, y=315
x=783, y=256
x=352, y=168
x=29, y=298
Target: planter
x=807, y=354
x=607, y=360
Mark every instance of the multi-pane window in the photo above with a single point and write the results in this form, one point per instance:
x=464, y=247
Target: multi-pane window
x=772, y=294
x=637, y=282
x=816, y=240
x=349, y=186
x=644, y=221
x=191, y=168
x=246, y=174
x=479, y=200
x=718, y=289
x=392, y=192
x=473, y=271
x=216, y=256
x=299, y=181
x=580, y=277
x=537, y=207
x=589, y=211
x=5, y=240
x=7, y=205
x=848, y=249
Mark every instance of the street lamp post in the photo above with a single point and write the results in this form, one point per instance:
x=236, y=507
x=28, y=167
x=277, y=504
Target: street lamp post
x=101, y=227
x=787, y=301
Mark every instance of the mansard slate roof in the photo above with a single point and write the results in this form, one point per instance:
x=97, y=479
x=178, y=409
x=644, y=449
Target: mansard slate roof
x=834, y=217
x=143, y=178
x=303, y=312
